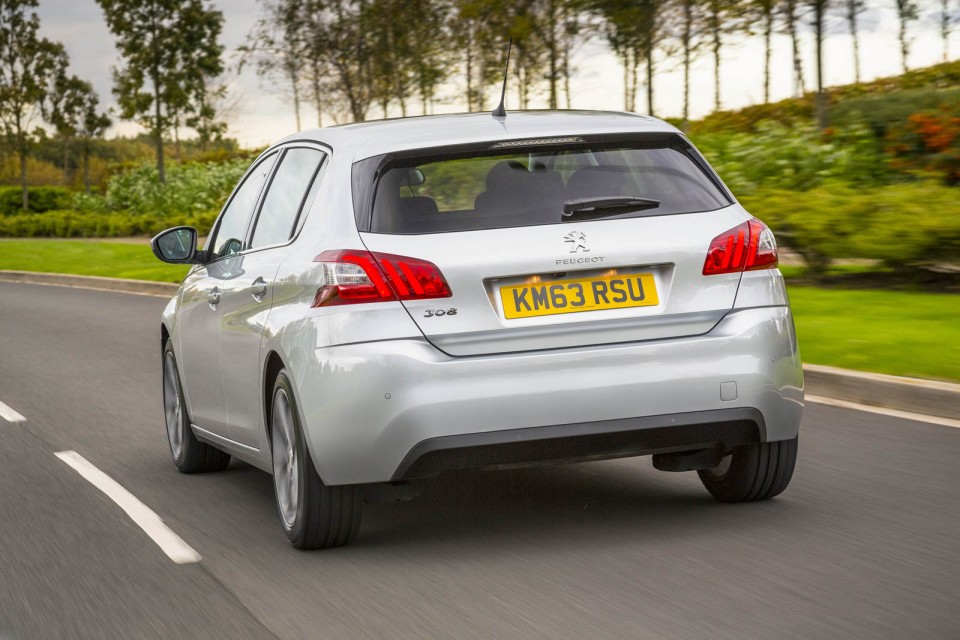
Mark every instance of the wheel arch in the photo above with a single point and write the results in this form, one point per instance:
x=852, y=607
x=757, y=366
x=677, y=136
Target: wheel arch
x=272, y=366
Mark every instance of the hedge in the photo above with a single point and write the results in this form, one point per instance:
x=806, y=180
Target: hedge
x=40, y=199
x=75, y=224
x=901, y=225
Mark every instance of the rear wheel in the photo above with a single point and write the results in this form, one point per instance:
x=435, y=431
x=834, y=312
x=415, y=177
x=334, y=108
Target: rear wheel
x=314, y=515
x=189, y=454
x=753, y=472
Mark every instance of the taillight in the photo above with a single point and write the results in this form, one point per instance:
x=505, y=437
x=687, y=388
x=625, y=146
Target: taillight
x=353, y=277
x=746, y=247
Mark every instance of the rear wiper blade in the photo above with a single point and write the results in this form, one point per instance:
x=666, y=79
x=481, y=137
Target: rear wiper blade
x=582, y=208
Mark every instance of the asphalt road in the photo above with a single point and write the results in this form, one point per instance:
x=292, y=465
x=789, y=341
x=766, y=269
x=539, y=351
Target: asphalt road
x=865, y=543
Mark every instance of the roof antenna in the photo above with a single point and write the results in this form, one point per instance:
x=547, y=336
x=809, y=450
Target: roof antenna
x=500, y=112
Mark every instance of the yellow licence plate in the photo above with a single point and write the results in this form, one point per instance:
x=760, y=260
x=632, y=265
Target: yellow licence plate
x=572, y=296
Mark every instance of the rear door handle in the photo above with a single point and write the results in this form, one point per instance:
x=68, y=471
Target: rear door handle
x=213, y=298
x=259, y=289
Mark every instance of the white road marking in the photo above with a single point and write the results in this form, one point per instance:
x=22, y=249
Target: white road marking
x=10, y=415
x=142, y=515
x=893, y=413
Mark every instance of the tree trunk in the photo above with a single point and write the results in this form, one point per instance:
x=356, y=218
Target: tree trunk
x=650, y=78
x=902, y=34
x=86, y=166
x=317, y=93
x=717, y=43
x=158, y=127
x=945, y=28
x=821, y=96
x=767, y=35
x=469, y=61
x=799, y=85
x=855, y=35
x=687, y=37
x=22, y=153
x=552, y=51
x=566, y=74
x=294, y=84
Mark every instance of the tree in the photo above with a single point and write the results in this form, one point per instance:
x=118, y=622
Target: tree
x=907, y=12
x=278, y=43
x=690, y=18
x=791, y=18
x=93, y=124
x=852, y=10
x=63, y=108
x=28, y=65
x=947, y=21
x=169, y=49
x=764, y=10
x=722, y=18
x=817, y=19
x=620, y=23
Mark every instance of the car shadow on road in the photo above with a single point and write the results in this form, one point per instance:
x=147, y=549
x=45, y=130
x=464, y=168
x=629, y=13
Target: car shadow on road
x=598, y=502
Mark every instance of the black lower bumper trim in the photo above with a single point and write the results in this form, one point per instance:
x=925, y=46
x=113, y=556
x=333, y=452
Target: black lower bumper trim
x=724, y=428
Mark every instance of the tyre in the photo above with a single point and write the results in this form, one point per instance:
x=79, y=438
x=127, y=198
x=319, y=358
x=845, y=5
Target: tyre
x=753, y=472
x=314, y=515
x=189, y=454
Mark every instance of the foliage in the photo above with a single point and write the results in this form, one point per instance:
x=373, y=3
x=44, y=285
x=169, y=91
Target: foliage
x=878, y=103
x=929, y=141
x=28, y=63
x=171, y=50
x=191, y=188
x=902, y=225
x=778, y=157
x=41, y=199
x=76, y=224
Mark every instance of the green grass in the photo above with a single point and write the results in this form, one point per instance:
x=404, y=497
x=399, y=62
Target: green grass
x=111, y=259
x=901, y=333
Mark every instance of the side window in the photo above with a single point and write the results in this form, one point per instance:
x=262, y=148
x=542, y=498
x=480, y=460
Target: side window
x=284, y=198
x=233, y=222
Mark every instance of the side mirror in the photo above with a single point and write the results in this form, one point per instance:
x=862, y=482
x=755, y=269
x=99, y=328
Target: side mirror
x=177, y=246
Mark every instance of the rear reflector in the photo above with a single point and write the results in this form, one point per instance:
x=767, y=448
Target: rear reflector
x=354, y=277
x=746, y=247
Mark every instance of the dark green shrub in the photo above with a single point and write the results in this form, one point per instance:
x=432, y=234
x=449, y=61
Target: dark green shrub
x=901, y=225
x=76, y=224
x=40, y=199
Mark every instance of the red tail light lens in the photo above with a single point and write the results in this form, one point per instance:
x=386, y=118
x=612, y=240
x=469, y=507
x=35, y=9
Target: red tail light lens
x=353, y=277
x=746, y=247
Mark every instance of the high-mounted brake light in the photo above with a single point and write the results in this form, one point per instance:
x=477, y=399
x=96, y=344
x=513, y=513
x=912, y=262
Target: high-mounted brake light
x=746, y=247
x=354, y=277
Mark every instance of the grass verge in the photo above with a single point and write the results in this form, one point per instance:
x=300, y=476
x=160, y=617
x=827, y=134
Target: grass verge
x=901, y=333
x=110, y=259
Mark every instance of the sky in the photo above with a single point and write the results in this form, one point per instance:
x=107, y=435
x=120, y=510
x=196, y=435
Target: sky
x=264, y=112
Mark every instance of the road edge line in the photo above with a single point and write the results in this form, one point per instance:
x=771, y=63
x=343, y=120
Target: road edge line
x=142, y=515
x=883, y=411
x=95, y=283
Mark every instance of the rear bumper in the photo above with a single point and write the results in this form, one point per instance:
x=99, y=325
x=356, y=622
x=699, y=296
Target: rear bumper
x=397, y=409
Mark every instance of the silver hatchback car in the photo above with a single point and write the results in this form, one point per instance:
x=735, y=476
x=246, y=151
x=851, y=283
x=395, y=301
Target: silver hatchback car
x=381, y=302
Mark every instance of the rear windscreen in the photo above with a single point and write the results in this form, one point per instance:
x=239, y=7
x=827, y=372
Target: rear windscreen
x=491, y=189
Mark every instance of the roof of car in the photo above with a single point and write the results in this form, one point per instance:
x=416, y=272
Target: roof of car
x=373, y=138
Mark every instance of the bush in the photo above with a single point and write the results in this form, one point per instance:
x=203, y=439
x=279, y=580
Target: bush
x=40, y=199
x=76, y=224
x=778, y=157
x=901, y=225
x=190, y=188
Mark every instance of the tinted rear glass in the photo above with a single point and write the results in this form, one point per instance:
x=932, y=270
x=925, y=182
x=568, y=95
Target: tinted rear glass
x=493, y=189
